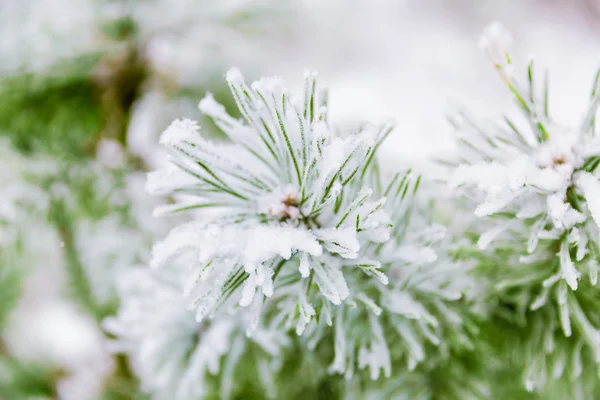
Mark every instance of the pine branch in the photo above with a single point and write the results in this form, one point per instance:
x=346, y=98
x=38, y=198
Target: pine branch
x=79, y=285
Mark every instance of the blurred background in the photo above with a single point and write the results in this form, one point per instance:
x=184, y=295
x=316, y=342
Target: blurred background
x=87, y=86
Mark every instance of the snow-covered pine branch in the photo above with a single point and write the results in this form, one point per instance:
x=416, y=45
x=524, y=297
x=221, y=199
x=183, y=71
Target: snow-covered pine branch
x=293, y=223
x=173, y=355
x=535, y=184
x=429, y=294
x=286, y=194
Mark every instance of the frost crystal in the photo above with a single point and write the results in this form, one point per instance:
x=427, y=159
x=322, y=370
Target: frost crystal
x=418, y=298
x=545, y=174
x=170, y=352
x=536, y=187
x=295, y=228
x=285, y=197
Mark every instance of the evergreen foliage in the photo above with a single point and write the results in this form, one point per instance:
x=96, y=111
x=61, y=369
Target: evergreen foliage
x=280, y=256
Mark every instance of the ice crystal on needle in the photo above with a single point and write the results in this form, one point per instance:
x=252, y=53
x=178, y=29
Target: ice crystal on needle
x=428, y=294
x=287, y=192
x=172, y=354
x=536, y=186
x=544, y=174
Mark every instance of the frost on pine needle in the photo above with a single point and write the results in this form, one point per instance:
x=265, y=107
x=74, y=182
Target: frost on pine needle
x=285, y=200
x=171, y=353
x=407, y=314
x=535, y=187
x=293, y=226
